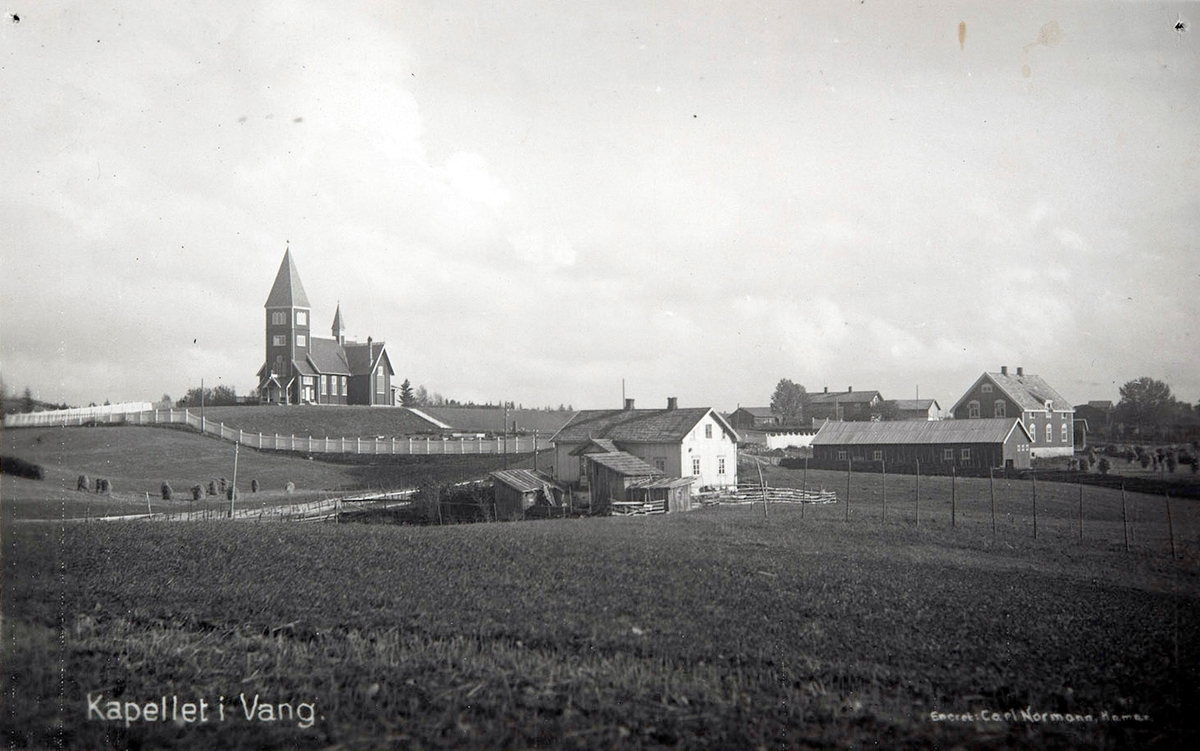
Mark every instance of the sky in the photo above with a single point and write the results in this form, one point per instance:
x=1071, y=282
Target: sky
x=548, y=203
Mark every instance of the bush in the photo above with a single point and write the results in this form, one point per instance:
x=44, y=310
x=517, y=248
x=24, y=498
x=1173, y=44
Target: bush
x=254, y=486
x=84, y=483
x=224, y=486
x=1104, y=465
x=1144, y=460
x=212, y=487
x=103, y=486
x=11, y=465
x=231, y=493
x=1084, y=464
x=166, y=491
x=197, y=492
x=1171, y=463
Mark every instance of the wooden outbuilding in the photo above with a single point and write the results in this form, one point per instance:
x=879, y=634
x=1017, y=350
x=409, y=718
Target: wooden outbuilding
x=939, y=445
x=520, y=490
x=618, y=476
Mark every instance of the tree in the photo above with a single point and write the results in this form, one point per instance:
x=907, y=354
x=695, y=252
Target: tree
x=27, y=400
x=790, y=402
x=1145, y=403
x=421, y=397
x=887, y=410
x=221, y=396
x=406, y=394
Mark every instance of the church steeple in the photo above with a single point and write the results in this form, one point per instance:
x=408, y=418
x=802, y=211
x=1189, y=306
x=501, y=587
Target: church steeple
x=287, y=291
x=338, y=325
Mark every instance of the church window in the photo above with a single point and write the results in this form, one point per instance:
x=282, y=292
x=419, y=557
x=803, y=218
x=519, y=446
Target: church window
x=301, y=340
x=279, y=340
x=301, y=317
x=278, y=318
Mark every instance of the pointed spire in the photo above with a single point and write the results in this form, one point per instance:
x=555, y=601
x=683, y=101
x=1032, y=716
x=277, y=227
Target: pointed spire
x=338, y=324
x=287, y=291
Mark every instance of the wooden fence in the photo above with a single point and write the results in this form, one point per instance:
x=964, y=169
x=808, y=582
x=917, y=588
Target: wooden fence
x=432, y=445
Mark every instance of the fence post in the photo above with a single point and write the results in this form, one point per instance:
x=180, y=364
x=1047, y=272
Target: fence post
x=1033, y=486
x=1081, y=512
x=849, y=470
x=953, y=497
x=918, y=492
x=1124, y=518
x=1170, y=527
x=884, y=489
x=992, y=492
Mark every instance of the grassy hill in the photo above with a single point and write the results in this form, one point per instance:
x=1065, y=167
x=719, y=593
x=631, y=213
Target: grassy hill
x=138, y=459
x=321, y=422
x=714, y=629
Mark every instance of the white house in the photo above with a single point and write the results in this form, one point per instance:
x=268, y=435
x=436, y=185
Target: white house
x=694, y=442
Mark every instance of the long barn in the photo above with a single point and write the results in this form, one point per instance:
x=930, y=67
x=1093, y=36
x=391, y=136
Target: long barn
x=942, y=444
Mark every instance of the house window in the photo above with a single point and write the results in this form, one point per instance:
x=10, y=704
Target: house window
x=948, y=455
x=278, y=318
x=985, y=388
x=1001, y=408
x=965, y=455
x=1050, y=433
x=301, y=317
x=1065, y=436
x=878, y=455
x=324, y=384
x=696, y=465
x=841, y=456
x=380, y=382
x=301, y=340
x=708, y=431
x=1033, y=431
x=344, y=392
x=660, y=464
x=279, y=340
x=973, y=410
x=720, y=465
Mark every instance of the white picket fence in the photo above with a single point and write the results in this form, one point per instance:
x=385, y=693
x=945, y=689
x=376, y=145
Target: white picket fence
x=432, y=445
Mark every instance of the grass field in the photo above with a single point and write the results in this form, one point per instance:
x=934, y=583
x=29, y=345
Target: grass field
x=138, y=459
x=713, y=629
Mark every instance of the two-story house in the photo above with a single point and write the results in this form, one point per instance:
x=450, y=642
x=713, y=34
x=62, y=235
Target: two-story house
x=1047, y=416
x=692, y=442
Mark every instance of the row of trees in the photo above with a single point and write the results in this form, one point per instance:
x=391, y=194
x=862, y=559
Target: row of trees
x=1148, y=409
x=420, y=397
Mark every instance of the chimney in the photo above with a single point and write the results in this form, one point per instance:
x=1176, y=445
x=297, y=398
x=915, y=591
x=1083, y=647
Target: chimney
x=628, y=405
x=1020, y=371
x=368, y=341
x=672, y=402
x=1003, y=370
x=849, y=389
x=826, y=389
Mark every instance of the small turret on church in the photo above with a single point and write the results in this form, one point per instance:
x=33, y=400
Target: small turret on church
x=339, y=326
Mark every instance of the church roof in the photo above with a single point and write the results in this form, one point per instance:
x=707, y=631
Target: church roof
x=338, y=324
x=287, y=291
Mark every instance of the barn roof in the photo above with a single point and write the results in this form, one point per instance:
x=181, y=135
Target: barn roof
x=1027, y=391
x=844, y=397
x=523, y=480
x=990, y=430
x=625, y=464
x=757, y=411
x=637, y=425
x=915, y=404
x=287, y=291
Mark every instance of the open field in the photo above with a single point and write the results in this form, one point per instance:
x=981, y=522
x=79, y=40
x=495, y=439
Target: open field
x=320, y=422
x=138, y=459
x=714, y=629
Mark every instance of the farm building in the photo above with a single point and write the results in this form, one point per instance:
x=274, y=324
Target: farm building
x=937, y=444
x=917, y=409
x=843, y=405
x=693, y=442
x=754, y=418
x=1047, y=416
x=620, y=477
x=303, y=369
x=519, y=490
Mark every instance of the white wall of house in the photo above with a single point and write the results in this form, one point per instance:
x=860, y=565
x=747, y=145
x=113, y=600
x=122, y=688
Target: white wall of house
x=782, y=440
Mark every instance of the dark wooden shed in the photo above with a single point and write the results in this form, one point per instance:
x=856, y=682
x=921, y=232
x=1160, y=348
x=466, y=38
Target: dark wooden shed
x=941, y=444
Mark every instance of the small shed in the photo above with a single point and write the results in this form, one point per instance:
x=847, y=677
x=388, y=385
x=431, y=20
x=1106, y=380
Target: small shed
x=519, y=490
x=620, y=476
x=754, y=418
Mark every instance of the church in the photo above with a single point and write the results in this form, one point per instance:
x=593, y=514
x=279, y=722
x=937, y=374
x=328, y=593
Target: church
x=304, y=369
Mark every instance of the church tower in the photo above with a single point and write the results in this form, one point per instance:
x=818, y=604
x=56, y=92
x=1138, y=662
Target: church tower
x=288, y=335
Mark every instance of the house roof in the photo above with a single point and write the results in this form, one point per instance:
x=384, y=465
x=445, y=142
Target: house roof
x=287, y=291
x=844, y=397
x=327, y=356
x=1027, y=391
x=990, y=430
x=625, y=464
x=637, y=425
x=663, y=482
x=1103, y=406
x=593, y=445
x=757, y=411
x=523, y=480
x=921, y=405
